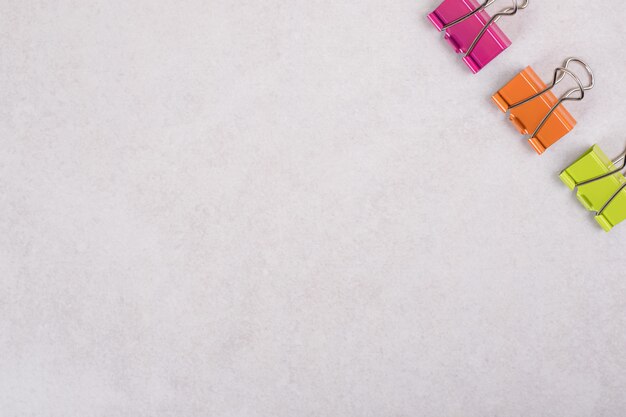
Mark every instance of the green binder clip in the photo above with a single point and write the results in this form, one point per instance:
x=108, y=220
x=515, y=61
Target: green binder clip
x=601, y=187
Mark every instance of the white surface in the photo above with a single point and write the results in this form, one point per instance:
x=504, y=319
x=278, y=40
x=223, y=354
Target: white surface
x=303, y=208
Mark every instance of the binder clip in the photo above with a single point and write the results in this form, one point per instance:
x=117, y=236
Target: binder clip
x=471, y=31
x=534, y=109
x=601, y=187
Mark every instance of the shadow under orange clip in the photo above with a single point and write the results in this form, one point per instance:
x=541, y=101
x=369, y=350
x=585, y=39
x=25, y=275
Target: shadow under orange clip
x=534, y=109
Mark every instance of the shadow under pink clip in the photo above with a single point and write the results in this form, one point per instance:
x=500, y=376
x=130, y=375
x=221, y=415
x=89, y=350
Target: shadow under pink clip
x=471, y=31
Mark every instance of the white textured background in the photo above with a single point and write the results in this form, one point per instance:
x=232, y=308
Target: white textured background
x=298, y=208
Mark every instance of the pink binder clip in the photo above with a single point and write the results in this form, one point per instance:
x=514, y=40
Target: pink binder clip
x=470, y=30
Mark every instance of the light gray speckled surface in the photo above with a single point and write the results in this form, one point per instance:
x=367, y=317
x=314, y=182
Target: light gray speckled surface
x=298, y=208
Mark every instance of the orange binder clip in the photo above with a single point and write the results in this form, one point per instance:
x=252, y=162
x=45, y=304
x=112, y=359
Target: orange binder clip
x=534, y=109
